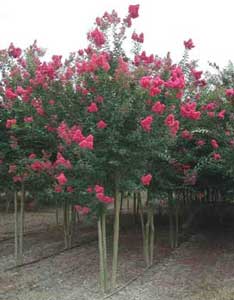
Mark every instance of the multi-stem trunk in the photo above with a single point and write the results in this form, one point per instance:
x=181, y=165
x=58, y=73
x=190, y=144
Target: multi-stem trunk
x=116, y=238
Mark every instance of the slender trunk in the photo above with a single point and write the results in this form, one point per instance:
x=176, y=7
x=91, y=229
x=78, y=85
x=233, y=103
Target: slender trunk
x=152, y=234
x=171, y=221
x=142, y=226
x=135, y=208
x=57, y=213
x=67, y=224
x=104, y=251
x=147, y=239
x=21, y=227
x=121, y=201
x=116, y=239
x=16, y=229
x=101, y=257
x=128, y=203
x=176, y=223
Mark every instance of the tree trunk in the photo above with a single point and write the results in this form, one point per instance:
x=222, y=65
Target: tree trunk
x=176, y=223
x=57, y=213
x=152, y=234
x=101, y=257
x=116, y=239
x=16, y=215
x=21, y=227
x=67, y=224
x=171, y=222
x=102, y=252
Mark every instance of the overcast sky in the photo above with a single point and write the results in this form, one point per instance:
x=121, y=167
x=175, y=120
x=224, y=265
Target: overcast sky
x=61, y=25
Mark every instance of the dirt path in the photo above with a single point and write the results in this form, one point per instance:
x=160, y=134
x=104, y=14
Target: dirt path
x=202, y=268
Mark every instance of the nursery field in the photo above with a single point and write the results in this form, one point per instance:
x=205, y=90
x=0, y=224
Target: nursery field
x=116, y=171
x=202, y=267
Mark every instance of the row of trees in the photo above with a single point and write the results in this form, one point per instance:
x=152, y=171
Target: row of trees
x=85, y=130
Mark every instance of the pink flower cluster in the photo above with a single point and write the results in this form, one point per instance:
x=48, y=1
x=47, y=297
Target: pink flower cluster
x=95, y=62
x=152, y=84
x=100, y=194
x=176, y=80
x=61, y=161
x=83, y=210
x=74, y=134
x=189, y=44
x=172, y=123
x=158, y=108
x=146, y=123
x=10, y=123
x=146, y=179
x=188, y=110
x=230, y=93
x=138, y=37
x=97, y=37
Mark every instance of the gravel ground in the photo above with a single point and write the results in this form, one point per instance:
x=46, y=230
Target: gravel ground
x=201, y=268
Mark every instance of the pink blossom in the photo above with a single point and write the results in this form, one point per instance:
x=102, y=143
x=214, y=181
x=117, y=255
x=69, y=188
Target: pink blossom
x=12, y=169
x=28, y=119
x=77, y=136
x=101, y=124
x=32, y=156
x=18, y=178
x=61, y=178
x=200, y=142
x=98, y=189
x=214, y=144
x=87, y=142
x=70, y=189
x=10, y=123
x=92, y=107
x=58, y=189
x=211, y=114
x=89, y=189
x=146, y=123
x=99, y=99
x=221, y=114
x=13, y=51
x=196, y=74
x=189, y=44
x=145, y=82
x=138, y=37
x=170, y=120
x=98, y=37
x=186, y=135
x=51, y=102
x=82, y=210
x=10, y=94
x=133, y=11
x=229, y=92
x=37, y=166
x=61, y=161
x=146, y=179
x=216, y=156
x=158, y=107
